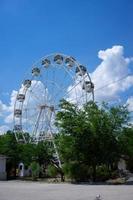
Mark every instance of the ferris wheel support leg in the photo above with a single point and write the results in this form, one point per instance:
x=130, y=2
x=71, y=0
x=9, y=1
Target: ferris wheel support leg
x=23, y=136
x=57, y=154
x=16, y=137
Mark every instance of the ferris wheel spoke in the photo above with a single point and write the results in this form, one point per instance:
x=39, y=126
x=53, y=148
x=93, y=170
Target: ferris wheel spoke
x=61, y=88
x=46, y=97
x=29, y=122
x=36, y=97
x=38, y=94
x=29, y=115
x=78, y=98
x=79, y=83
x=55, y=86
x=68, y=72
x=51, y=79
x=73, y=88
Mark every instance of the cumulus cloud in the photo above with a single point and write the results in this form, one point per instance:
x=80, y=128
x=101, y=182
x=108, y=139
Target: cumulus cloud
x=130, y=103
x=10, y=108
x=75, y=93
x=3, y=114
x=3, y=129
x=3, y=108
x=112, y=76
x=35, y=96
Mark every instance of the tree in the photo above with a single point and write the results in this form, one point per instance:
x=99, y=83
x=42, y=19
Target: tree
x=44, y=152
x=35, y=170
x=126, y=142
x=24, y=152
x=89, y=136
x=9, y=148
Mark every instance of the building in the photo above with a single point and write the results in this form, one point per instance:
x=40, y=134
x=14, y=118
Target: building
x=3, y=175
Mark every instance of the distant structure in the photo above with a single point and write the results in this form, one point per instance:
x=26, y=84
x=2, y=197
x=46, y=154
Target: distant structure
x=3, y=174
x=55, y=77
x=21, y=170
x=122, y=164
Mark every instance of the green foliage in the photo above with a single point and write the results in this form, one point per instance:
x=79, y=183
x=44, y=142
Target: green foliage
x=26, y=153
x=77, y=172
x=9, y=148
x=126, y=139
x=90, y=142
x=126, y=143
x=35, y=170
x=8, y=145
x=103, y=173
x=44, y=152
x=89, y=137
x=52, y=171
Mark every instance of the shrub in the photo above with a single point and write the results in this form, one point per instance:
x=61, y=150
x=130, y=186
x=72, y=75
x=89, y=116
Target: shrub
x=103, y=173
x=52, y=171
x=35, y=170
x=75, y=171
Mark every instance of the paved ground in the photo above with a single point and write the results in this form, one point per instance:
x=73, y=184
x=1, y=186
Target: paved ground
x=20, y=190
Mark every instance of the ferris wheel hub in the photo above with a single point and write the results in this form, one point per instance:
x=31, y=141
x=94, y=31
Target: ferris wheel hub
x=44, y=106
x=52, y=78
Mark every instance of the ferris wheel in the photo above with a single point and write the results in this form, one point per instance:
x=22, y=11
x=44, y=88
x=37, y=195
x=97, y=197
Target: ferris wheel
x=52, y=78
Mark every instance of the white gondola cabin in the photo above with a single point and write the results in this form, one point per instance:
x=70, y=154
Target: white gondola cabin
x=58, y=59
x=81, y=70
x=88, y=86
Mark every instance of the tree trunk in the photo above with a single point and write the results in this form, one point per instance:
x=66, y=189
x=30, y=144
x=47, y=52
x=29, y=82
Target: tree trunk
x=62, y=177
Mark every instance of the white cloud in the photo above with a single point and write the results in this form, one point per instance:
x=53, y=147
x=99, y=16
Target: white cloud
x=33, y=96
x=3, y=114
x=130, y=103
x=114, y=66
x=3, y=108
x=75, y=93
x=36, y=95
x=4, y=129
x=10, y=108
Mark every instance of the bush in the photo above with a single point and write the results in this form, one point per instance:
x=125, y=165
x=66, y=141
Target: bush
x=76, y=172
x=102, y=173
x=35, y=170
x=52, y=171
x=130, y=165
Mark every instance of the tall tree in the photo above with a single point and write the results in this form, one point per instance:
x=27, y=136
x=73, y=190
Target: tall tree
x=89, y=135
x=9, y=147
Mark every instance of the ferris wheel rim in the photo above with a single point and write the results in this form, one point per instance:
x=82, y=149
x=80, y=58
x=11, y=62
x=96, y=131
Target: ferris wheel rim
x=76, y=63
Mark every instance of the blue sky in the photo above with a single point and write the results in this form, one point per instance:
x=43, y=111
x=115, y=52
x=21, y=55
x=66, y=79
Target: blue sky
x=30, y=29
